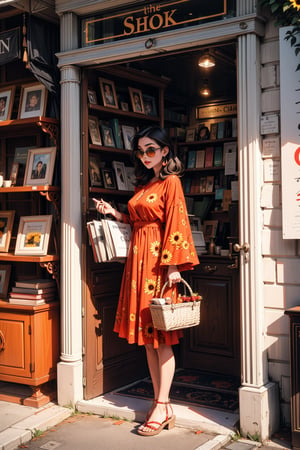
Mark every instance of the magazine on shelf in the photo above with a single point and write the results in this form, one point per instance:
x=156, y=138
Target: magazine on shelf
x=93, y=241
x=100, y=240
x=33, y=291
x=30, y=296
x=117, y=239
x=35, y=283
x=21, y=301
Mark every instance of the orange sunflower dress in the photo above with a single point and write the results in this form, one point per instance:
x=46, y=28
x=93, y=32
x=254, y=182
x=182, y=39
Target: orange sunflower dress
x=161, y=236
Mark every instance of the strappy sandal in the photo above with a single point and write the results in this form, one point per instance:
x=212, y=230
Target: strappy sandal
x=169, y=423
x=154, y=401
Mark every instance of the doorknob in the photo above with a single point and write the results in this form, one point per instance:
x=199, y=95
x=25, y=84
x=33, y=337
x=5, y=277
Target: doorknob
x=244, y=248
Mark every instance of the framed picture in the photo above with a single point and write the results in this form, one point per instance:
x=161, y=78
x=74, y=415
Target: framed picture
x=33, y=235
x=124, y=106
x=6, y=102
x=195, y=223
x=39, y=166
x=213, y=131
x=108, y=92
x=136, y=100
x=127, y=132
x=149, y=105
x=4, y=279
x=94, y=130
x=14, y=173
x=6, y=224
x=203, y=133
x=92, y=97
x=109, y=179
x=209, y=229
x=94, y=171
x=119, y=168
x=190, y=134
x=33, y=101
x=107, y=136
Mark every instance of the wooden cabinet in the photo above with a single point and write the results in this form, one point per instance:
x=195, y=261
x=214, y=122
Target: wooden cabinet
x=29, y=347
x=214, y=345
x=29, y=335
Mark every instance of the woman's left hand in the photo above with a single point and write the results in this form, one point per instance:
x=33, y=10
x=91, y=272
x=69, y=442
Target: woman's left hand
x=173, y=275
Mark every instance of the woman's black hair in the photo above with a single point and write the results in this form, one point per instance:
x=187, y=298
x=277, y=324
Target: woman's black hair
x=173, y=164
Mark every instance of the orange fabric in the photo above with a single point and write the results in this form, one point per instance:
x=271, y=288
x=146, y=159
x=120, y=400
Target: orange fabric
x=161, y=236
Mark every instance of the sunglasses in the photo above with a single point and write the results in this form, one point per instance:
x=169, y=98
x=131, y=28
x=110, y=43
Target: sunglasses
x=150, y=152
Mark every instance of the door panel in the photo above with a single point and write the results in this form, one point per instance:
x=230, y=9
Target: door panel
x=214, y=344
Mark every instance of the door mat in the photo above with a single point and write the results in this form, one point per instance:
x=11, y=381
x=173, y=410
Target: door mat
x=192, y=393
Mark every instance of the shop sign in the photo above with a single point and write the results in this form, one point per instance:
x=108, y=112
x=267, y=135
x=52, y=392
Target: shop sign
x=211, y=111
x=290, y=138
x=149, y=18
x=9, y=45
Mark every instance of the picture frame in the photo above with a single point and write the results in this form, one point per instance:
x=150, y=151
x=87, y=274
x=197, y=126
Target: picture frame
x=190, y=134
x=108, y=179
x=33, y=235
x=108, y=93
x=14, y=173
x=107, y=135
x=94, y=131
x=5, y=270
x=121, y=179
x=124, y=106
x=149, y=105
x=210, y=229
x=92, y=97
x=7, y=95
x=136, y=98
x=128, y=133
x=40, y=166
x=195, y=223
x=33, y=101
x=6, y=225
x=203, y=133
x=95, y=171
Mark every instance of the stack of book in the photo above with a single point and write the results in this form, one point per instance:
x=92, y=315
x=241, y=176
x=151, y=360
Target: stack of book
x=96, y=238
x=33, y=292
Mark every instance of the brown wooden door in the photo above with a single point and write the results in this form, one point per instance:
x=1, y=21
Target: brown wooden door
x=110, y=362
x=214, y=345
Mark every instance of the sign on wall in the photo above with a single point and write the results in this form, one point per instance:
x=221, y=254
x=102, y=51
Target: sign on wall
x=290, y=138
x=9, y=45
x=149, y=18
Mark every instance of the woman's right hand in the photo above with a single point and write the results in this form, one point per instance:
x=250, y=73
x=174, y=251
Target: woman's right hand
x=104, y=207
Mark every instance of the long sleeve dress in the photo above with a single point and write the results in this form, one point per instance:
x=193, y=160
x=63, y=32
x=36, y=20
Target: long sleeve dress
x=161, y=236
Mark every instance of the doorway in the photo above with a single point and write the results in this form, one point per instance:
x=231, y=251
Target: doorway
x=214, y=345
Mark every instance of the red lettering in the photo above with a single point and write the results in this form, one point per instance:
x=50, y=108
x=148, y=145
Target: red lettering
x=141, y=24
x=297, y=156
x=169, y=21
x=128, y=24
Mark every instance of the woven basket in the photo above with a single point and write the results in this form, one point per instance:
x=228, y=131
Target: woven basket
x=176, y=316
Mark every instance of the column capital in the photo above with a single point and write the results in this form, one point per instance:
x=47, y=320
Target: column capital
x=70, y=74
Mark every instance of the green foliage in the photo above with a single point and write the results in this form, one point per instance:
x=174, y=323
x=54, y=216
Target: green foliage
x=37, y=433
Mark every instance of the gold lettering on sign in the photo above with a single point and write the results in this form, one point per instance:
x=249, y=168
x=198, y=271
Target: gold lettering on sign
x=147, y=22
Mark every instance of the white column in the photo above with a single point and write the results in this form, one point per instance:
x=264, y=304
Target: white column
x=70, y=371
x=259, y=414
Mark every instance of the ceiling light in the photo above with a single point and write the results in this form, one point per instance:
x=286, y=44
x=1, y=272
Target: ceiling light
x=206, y=61
x=205, y=91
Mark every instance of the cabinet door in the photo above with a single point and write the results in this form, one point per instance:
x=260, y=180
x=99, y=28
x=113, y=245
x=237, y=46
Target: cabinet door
x=214, y=345
x=15, y=346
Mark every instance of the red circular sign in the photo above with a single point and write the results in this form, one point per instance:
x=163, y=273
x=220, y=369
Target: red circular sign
x=297, y=156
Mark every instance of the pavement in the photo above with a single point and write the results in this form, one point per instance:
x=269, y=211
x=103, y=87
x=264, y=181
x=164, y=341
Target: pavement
x=109, y=422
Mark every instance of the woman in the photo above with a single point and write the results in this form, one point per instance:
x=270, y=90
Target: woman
x=161, y=247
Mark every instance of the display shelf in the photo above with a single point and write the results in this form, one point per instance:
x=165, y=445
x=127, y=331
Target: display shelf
x=207, y=141
x=126, y=114
x=46, y=124
x=97, y=190
x=114, y=150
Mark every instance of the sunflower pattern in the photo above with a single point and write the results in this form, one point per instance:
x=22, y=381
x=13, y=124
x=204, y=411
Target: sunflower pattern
x=161, y=236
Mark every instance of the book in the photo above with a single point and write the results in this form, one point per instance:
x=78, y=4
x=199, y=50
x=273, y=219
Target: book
x=191, y=162
x=230, y=158
x=130, y=178
x=209, y=183
x=213, y=131
x=187, y=182
x=115, y=126
x=209, y=156
x=227, y=128
x=226, y=199
x=93, y=241
x=200, y=159
x=202, y=185
x=35, y=283
x=117, y=238
x=218, y=156
x=21, y=301
x=33, y=291
x=119, y=168
x=31, y=296
x=234, y=127
x=220, y=132
x=100, y=240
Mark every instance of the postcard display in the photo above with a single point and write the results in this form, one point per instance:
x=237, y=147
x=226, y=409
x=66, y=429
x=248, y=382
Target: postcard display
x=29, y=243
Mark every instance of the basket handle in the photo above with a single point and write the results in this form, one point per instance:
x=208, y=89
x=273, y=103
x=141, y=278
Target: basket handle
x=182, y=281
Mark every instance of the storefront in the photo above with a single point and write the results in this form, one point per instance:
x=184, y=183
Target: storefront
x=93, y=48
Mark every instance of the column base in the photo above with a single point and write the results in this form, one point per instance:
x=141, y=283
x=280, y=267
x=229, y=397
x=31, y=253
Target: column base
x=69, y=383
x=259, y=411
